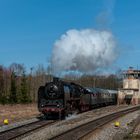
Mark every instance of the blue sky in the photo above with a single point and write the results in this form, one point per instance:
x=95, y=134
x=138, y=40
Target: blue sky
x=29, y=28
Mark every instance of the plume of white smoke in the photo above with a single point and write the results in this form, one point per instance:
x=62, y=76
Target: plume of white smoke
x=105, y=18
x=84, y=51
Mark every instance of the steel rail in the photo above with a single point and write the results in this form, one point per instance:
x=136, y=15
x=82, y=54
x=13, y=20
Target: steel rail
x=23, y=129
x=83, y=130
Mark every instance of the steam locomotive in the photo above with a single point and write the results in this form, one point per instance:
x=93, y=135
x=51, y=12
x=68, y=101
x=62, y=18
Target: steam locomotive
x=60, y=98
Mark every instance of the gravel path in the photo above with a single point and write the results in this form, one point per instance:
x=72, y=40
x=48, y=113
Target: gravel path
x=137, y=130
x=110, y=132
x=72, y=122
x=135, y=133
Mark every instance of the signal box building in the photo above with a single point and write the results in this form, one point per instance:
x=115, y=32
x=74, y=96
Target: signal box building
x=130, y=93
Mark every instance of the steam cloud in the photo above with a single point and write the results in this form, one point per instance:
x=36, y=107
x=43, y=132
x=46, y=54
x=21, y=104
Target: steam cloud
x=85, y=50
x=105, y=18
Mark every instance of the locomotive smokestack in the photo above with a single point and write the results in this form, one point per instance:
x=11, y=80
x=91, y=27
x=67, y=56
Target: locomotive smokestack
x=56, y=79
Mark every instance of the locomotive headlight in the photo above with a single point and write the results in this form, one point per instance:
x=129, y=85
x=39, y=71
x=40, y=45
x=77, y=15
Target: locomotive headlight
x=43, y=103
x=58, y=105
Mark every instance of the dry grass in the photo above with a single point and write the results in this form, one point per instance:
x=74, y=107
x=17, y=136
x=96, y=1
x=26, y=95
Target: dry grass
x=17, y=112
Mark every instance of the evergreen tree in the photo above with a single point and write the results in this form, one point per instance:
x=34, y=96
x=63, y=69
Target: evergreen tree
x=13, y=91
x=24, y=89
x=2, y=95
x=1, y=82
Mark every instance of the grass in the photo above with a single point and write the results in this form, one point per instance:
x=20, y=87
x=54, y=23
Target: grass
x=17, y=112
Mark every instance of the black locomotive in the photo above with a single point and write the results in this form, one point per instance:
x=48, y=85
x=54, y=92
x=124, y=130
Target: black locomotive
x=60, y=98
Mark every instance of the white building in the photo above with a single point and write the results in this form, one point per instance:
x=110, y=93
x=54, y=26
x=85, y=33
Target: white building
x=130, y=93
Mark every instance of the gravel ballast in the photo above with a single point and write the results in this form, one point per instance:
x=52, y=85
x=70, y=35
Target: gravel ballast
x=72, y=122
x=20, y=123
x=110, y=132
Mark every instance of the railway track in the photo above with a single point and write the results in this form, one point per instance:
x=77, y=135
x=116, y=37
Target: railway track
x=83, y=130
x=24, y=129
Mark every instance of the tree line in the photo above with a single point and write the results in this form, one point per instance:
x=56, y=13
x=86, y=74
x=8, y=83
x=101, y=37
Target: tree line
x=19, y=86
